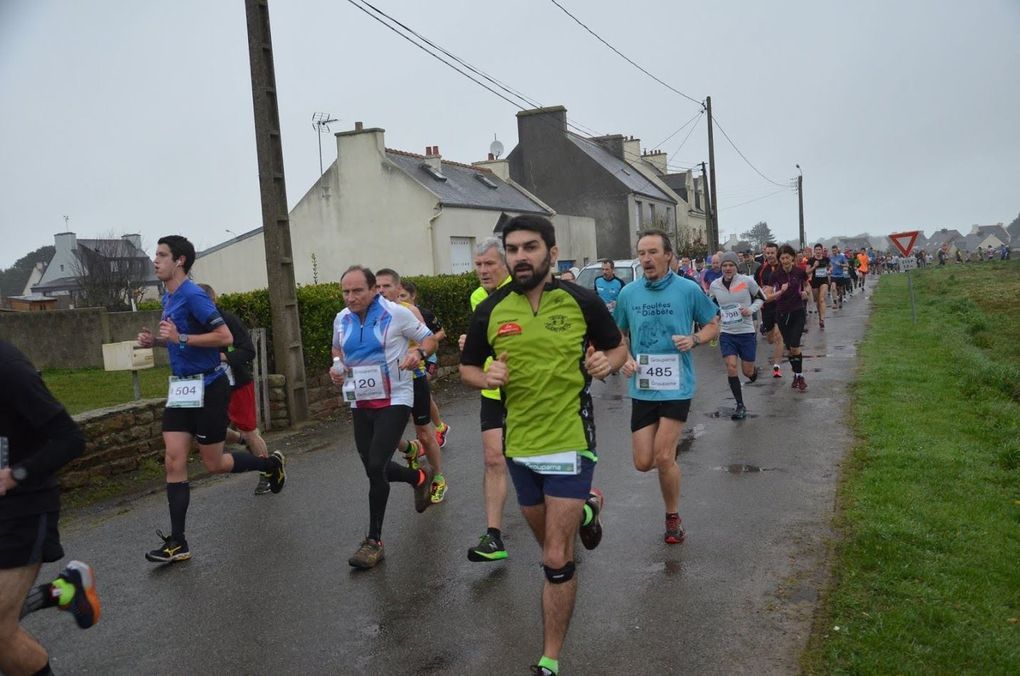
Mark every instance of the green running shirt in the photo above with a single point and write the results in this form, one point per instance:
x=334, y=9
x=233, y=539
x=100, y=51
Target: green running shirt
x=548, y=403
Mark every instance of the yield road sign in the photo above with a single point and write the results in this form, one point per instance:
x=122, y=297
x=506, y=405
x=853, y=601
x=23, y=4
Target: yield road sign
x=904, y=241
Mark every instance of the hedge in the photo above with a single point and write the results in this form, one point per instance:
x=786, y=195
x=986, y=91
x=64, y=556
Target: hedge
x=446, y=295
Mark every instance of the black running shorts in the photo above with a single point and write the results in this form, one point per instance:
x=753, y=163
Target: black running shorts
x=207, y=424
x=818, y=282
x=492, y=414
x=28, y=540
x=644, y=413
x=768, y=317
x=792, y=327
x=422, y=398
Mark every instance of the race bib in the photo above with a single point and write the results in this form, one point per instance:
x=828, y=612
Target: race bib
x=731, y=315
x=821, y=272
x=567, y=462
x=186, y=392
x=365, y=383
x=658, y=372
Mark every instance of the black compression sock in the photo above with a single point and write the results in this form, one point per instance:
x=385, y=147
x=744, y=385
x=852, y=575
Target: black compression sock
x=178, y=495
x=735, y=389
x=797, y=364
x=246, y=462
x=494, y=532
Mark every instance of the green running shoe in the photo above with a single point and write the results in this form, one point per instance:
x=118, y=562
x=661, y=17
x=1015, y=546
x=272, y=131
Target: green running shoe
x=490, y=548
x=438, y=492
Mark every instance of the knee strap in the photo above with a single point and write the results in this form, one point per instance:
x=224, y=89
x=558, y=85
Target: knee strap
x=559, y=575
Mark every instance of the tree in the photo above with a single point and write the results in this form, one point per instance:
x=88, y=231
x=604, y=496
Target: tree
x=110, y=274
x=14, y=278
x=759, y=234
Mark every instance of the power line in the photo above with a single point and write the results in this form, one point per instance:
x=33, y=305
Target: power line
x=715, y=121
x=733, y=206
x=624, y=56
x=684, y=142
x=682, y=127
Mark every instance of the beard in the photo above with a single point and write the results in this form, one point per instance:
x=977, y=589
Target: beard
x=537, y=275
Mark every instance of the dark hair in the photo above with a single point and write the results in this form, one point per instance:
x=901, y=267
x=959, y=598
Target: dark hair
x=180, y=246
x=389, y=272
x=819, y=246
x=209, y=291
x=667, y=246
x=539, y=224
x=369, y=277
x=787, y=249
x=609, y=262
x=770, y=244
x=409, y=286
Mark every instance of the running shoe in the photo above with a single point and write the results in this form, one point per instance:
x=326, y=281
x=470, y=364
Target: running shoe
x=776, y=373
x=675, y=533
x=740, y=413
x=368, y=555
x=796, y=377
x=263, y=486
x=801, y=383
x=541, y=671
x=172, y=550
x=277, y=475
x=422, y=492
x=84, y=603
x=438, y=491
x=413, y=452
x=490, y=548
x=591, y=535
x=753, y=377
x=441, y=435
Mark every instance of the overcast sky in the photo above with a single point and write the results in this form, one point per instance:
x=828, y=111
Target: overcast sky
x=131, y=116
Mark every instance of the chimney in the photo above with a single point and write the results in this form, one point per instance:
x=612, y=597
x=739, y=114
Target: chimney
x=433, y=158
x=65, y=241
x=359, y=145
x=538, y=127
x=657, y=159
x=134, y=240
x=500, y=168
x=358, y=126
x=632, y=149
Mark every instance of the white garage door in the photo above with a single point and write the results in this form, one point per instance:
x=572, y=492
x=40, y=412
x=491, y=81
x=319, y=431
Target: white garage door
x=461, y=258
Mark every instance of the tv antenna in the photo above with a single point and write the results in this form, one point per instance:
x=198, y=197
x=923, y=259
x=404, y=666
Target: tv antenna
x=496, y=148
x=321, y=122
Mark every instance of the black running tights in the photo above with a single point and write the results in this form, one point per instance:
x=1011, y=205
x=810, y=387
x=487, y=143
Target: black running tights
x=376, y=434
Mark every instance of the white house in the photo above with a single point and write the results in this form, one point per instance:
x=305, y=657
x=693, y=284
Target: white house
x=379, y=207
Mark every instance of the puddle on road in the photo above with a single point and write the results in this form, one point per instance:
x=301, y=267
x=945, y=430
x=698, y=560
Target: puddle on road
x=687, y=438
x=726, y=413
x=739, y=468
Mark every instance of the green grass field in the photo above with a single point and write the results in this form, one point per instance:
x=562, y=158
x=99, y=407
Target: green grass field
x=927, y=576
x=87, y=389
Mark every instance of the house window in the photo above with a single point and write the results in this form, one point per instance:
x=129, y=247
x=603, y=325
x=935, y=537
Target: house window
x=651, y=214
x=461, y=254
x=640, y=205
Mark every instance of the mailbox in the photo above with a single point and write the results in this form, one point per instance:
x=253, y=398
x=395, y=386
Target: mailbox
x=127, y=356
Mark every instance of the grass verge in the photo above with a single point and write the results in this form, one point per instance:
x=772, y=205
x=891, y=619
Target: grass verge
x=927, y=575
x=87, y=389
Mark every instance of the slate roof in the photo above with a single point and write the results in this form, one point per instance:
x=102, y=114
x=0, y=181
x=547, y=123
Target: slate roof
x=940, y=237
x=620, y=170
x=462, y=187
x=985, y=230
x=970, y=242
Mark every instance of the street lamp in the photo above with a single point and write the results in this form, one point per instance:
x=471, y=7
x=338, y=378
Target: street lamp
x=800, y=201
x=231, y=232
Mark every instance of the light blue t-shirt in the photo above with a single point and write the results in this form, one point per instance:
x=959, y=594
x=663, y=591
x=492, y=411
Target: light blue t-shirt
x=654, y=312
x=838, y=261
x=608, y=289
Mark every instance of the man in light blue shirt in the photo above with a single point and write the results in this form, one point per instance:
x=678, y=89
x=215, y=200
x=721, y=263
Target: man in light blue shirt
x=658, y=314
x=609, y=286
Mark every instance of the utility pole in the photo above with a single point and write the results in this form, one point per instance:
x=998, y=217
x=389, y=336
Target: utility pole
x=713, y=237
x=287, y=347
x=708, y=207
x=800, y=200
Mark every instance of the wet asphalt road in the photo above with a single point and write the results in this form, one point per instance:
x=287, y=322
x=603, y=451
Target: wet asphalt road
x=269, y=590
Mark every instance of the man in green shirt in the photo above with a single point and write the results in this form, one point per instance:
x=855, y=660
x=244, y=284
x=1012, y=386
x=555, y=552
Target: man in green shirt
x=549, y=338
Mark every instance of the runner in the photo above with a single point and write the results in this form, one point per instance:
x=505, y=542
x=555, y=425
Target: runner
x=817, y=271
x=425, y=432
x=791, y=289
x=711, y=272
x=37, y=438
x=839, y=276
x=550, y=339
x=739, y=298
x=862, y=267
x=490, y=265
x=409, y=297
x=371, y=373
x=608, y=286
x=194, y=331
x=241, y=410
x=769, y=328
x=657, y=316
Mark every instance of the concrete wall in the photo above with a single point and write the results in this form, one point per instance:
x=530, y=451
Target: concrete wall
x=575, y=238
x=73, y=338
x=239, y=265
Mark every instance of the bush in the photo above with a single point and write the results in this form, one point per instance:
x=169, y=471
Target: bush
x=446, y=295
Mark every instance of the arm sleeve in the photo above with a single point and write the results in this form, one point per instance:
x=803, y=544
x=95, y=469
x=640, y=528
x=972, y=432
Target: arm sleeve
x=602, y=330
x=476, y=346
x=26, y=394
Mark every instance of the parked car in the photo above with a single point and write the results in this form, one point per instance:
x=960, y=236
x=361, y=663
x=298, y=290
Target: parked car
x=627, y=269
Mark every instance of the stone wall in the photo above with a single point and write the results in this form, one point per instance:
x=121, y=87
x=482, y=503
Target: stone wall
x=117, y=439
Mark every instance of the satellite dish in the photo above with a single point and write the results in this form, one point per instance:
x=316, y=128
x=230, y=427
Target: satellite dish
x=496, y=148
